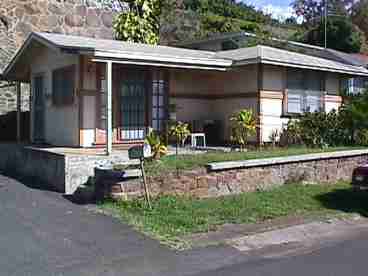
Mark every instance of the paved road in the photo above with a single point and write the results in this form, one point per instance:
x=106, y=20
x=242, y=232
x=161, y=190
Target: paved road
x=348, y=258
x=44, y=234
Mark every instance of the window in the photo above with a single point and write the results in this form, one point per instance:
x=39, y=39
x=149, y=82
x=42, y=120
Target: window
x=354, y=86
x=304, y=91
x=158, y=100
x=63, y=81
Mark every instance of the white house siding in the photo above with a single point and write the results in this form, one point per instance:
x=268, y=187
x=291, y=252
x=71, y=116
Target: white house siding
x=61, y=123
x=271, y=101
x=200, y=95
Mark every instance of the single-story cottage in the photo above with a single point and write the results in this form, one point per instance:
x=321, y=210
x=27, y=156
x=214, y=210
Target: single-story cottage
x=83, y=86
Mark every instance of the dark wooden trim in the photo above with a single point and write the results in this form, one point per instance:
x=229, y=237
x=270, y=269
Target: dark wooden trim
x=87, y=92
x=98, y=103
x=277, y=95
x=215, y=97
x=80, y=99
x=285, y=102
x=260, y=71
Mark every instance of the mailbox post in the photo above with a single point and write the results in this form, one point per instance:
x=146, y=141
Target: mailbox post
x=141, y=152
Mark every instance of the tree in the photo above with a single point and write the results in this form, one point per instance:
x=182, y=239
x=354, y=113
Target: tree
x=139, y=21
x=341, y=35
x=360, y=15
x=313, y=10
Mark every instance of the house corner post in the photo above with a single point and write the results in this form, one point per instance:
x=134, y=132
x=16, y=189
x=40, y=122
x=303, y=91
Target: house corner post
x=109, y=108
x=19, y=111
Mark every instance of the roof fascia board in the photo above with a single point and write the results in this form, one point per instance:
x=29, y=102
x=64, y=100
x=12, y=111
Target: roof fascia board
x=25, y=45
x=272, y=62
x=248, y=61
x=158, y=64
x=152, y=58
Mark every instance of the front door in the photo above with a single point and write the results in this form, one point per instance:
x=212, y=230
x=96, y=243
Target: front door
x=133, y=106
x=39, y=110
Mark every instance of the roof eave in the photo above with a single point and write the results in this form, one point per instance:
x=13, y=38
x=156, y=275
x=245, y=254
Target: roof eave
x=287, y=64
x=20, y=51
x=180, y=61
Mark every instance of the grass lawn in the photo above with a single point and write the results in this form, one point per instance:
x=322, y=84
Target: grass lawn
x=174, y=217
x=188, y=162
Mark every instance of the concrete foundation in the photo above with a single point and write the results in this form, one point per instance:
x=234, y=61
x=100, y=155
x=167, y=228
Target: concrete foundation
x=60, y=170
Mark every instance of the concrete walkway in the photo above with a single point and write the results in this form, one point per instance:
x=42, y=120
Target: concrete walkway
x=305, y=235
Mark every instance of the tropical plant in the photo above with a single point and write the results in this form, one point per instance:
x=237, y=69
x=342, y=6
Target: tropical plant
x=243, y=126
x=157, y=146
x=180, y=131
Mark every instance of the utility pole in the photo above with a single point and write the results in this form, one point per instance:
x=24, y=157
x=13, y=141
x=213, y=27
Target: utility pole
x=325, y=24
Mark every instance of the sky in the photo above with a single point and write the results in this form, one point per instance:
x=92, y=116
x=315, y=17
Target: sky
x=278, y=8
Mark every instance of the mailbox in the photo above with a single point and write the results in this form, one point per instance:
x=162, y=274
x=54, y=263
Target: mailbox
x=139, y=152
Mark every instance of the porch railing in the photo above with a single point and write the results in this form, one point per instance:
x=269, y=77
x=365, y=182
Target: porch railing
x=133, y=133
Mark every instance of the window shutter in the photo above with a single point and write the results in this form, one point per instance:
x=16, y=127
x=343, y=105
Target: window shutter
x=63, y=85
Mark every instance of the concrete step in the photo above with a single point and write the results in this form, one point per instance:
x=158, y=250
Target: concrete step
x=132, y=173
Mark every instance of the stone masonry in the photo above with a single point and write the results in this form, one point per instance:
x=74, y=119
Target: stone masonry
x=201, y=183
x=20, y=17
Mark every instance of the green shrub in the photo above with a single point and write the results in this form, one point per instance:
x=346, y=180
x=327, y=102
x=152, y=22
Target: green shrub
x=291, y=135
x=362, y=137
x=319, y=129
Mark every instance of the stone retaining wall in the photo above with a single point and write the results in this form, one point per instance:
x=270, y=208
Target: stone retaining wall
x=202, y=183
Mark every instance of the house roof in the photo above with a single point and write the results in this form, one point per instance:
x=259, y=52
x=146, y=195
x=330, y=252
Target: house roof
x=142, y=54
x=363, y=58
x=313, y=50
x=270, y=55
x=121, y=49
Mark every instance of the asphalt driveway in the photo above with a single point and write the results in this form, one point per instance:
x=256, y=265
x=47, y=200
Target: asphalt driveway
x=43, y=233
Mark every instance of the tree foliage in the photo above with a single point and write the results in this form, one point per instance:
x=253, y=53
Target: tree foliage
x=221, y=16
x=139, y=21
x=341, y=35
x=345, y=22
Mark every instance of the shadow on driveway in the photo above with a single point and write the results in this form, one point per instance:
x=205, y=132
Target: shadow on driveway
x=346, y=200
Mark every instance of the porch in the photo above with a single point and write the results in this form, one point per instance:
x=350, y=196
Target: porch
x=129, y=99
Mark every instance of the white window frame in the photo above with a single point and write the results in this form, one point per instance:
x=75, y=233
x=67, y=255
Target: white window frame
x=305, y=103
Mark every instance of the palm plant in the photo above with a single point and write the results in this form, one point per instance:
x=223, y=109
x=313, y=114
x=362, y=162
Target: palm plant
x=158, y=147
x=243, y=126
